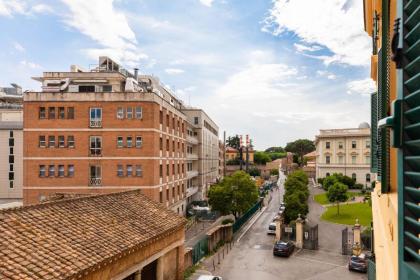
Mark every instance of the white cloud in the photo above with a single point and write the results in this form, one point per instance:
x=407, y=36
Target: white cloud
x=10, y=7
x=174, y=71
x=30, y=64
x=18, y=47
x=207, y=3
x=337, y=25
x=303, y=48
x=364, y=87
x=326, y=74
x=99, y=20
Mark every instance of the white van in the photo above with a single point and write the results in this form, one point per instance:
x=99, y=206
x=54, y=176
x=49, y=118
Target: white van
x=271, y=228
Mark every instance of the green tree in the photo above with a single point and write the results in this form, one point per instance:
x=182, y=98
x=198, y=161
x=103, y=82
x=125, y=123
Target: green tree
x=233, y=141
x=337, y=193
x=275, y=156
x=300, y=147
x=274, y=150
x=235, y=193
x=253, y=171
x=274, y=172
x=261, y=158
x=294, y=207
x=328, y=182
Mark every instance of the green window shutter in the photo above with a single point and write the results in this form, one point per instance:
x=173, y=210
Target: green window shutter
x=374, y=132
x=409, y=192
x=382, y=111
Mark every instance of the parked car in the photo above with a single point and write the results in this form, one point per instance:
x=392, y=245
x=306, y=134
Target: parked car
x=209, y=277
x=271, y=228
x=358, y=263
x=283, y=248
x=282, y=206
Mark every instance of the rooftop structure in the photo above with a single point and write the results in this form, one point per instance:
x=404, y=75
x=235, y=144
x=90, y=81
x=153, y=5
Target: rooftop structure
x=103, y=236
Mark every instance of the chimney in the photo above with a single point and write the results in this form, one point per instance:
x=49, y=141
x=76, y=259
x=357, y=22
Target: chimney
x=136, y=73
x=247, y=140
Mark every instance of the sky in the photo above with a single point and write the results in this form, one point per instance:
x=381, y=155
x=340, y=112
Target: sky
x=277, y=70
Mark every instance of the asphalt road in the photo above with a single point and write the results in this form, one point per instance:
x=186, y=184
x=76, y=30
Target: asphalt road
x=252, y=258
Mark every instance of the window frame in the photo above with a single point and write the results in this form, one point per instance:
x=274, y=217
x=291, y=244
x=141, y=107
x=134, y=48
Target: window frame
x=42, y=171
x=49, y=141
x=70, y=141
x=120, y=113
x=42, y=113
x=61, y=144
x=138, y=112
x=95, y=150
x=42, y=143
x=129, y=113
x=70, y=170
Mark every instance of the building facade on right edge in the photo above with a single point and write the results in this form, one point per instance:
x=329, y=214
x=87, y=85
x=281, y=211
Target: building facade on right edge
x=345, y=151
x=395, y=109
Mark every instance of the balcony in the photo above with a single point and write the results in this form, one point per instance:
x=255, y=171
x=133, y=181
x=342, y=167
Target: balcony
x=192, y=140
x=192, y=174
x=192, y=156
x=95, y=123
x=191, y=191
x=95, y=181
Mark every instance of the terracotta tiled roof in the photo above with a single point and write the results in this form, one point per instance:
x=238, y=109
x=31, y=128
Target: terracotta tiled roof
x=230, y=149
x=63, y=239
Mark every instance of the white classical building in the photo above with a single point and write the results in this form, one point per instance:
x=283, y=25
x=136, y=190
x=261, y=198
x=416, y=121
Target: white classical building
x=345, y=151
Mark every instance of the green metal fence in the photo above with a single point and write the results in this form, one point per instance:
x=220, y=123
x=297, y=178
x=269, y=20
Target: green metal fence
x=245, y=217
x=200, y=249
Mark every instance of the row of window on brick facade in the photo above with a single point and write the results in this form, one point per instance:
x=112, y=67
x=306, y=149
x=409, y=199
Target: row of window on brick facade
x=180, y=169
x=61, y=172
x=179, y=125
x=178, y=191
x=95, y=113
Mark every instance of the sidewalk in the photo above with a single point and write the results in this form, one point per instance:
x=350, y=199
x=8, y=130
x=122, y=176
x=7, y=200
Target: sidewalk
x=197, y=232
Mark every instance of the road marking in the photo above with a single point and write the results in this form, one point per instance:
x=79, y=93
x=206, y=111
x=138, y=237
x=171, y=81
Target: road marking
x=312, y=260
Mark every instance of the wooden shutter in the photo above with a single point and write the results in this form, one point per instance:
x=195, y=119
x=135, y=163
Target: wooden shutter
x=374, y=132
x=409, y=82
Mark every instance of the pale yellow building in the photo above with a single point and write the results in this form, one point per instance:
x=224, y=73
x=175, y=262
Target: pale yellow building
x=345, y=151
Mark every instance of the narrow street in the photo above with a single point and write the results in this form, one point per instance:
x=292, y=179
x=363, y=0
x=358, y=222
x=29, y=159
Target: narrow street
x=252, y=258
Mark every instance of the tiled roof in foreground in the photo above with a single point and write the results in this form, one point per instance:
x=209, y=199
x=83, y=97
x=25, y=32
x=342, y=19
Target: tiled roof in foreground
x=65, y=239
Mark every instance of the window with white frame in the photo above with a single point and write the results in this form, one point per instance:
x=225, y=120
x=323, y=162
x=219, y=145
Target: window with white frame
x=61, y=170
x=139, y=141
x=70, y=141
x=139, y=112
x=129, y=112
x=95, y=117
x=120, y=142
x=340, y=159
x=51, y=171
x=61, y=142
x=42, y=142
x=129, y=170
x=51, y=141
x=367, y=143
x=327, y=159
x=95, y=175
x=120, y=170
x=139, y=171
x=42, y=171
x=353, y=144
x=120, y=113
x=70, y=170
x=95, y=145
x=129, y=141
x=353, y=159
x=367, y=159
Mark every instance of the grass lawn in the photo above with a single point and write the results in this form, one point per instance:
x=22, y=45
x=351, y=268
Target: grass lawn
x=322, y=198
x=349, y=213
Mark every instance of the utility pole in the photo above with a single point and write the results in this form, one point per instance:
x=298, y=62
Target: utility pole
x=224, y=153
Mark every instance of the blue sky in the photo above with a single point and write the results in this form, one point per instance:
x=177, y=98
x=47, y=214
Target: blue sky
x=276, y=70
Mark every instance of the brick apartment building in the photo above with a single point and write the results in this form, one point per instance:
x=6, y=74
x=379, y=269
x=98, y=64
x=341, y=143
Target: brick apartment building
x=104, y=130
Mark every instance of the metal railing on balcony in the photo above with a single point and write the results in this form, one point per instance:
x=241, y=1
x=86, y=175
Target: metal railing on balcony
x=95, y=181
x=191, y=191
x=95, y=123
x=192, y=156
x=192, y=140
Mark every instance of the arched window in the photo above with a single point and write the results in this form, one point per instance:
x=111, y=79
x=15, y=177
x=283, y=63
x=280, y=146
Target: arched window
x=328, y=174
x=368, y=178
x=353, y=176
